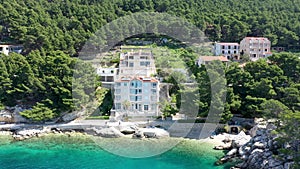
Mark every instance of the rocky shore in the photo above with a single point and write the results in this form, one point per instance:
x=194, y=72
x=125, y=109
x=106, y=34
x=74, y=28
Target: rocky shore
x=132, y=130
x=259, y=150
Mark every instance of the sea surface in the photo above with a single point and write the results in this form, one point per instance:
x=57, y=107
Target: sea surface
x=83, y=152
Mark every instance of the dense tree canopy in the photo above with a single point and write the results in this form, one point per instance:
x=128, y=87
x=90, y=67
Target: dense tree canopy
x=66, y=25
x=43, y=81
x=52, y=31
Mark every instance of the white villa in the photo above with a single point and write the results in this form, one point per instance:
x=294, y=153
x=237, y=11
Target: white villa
x=229, y=50
x=137, y=63
x=6, y=49
x=136, y=91
x=137, y=96
x=107, y=74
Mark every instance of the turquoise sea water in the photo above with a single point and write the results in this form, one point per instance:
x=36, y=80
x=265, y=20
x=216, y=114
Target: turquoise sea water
x=63, y=152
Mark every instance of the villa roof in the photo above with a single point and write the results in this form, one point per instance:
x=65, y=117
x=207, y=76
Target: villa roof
x=211, y=58
x=227, y=43
x=256, y=38
x=143, y=79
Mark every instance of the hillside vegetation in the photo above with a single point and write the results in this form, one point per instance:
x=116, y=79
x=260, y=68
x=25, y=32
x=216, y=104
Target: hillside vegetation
x=54, y=31
x=66, y=25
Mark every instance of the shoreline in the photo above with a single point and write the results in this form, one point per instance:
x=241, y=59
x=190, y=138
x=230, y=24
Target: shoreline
x=26, y=131
x=188, y=149
x=127, y=129
x=94, y=133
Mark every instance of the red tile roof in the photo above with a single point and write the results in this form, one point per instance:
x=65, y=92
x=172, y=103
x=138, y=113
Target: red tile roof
x=227, y=43
x=256, y=38
x=144, y=79
x=211, y=58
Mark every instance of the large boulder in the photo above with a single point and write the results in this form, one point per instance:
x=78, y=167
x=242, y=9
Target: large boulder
x=259, y=145
x=127, y=130
x=6, y=116
x=240, y=140
x=17, y=118
x=138, y=135
x=110, y=132
x=232, y=152
x=252, y=131
x=72, y=116
x=155, y=133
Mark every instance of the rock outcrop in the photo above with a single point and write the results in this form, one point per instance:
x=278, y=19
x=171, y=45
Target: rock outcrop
x=155, y=133
x=110, y=132
x=29, y=133
x=72, y=116
x=262, y=151
x=259, y=152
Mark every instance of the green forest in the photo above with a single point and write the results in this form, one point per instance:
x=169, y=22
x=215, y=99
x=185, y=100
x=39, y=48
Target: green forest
x=53, y=33
x=66, y=25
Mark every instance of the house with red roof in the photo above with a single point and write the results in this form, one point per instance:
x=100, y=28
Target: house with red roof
x=256, y=47
x=203, y=60
x=136, y=92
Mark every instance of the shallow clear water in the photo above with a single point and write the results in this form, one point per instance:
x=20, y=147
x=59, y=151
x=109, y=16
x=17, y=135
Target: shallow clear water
x=62, y=152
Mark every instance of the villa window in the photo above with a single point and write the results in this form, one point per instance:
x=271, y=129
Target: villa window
x=154, y=85
x=132, y=98
x=130, y=57
x=153, y=91
x=146, y=107
x=118, y=91
x=153, y=98
x=118, y=97
x=143, y=57
x=153, y=106
x=223, y=47
x=266, y=50
x=132, y=91
x=131, y=64
x=138, y=84
x=118, y=106
x=138, y=98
